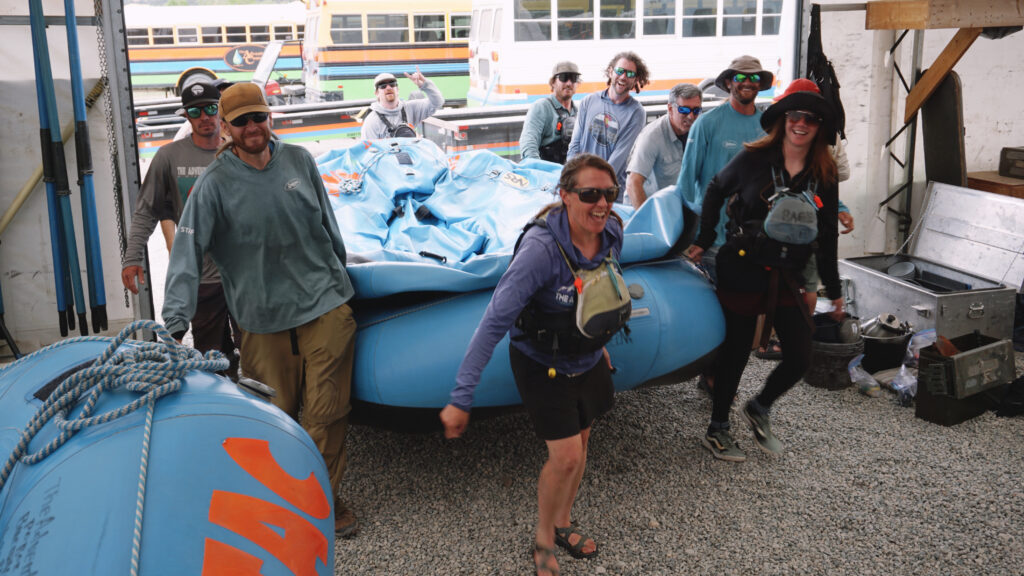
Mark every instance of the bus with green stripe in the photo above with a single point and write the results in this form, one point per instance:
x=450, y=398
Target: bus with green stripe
x=348, y=42
x=226, y=41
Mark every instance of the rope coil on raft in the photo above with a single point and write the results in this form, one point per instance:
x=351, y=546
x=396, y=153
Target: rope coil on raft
x=151, y=369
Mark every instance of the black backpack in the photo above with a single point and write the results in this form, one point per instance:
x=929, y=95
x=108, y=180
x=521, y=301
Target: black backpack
x=821, y=72
x=403, y=130
x=558, y=149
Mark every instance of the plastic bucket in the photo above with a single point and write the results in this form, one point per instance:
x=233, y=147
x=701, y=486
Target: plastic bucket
x=829, y=364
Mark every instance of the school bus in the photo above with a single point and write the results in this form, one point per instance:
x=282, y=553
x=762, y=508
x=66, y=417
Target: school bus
x=226, y=41
x=349, y=42
x=514, y=44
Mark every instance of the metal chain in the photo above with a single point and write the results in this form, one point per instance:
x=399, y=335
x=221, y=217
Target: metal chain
x=112, y=150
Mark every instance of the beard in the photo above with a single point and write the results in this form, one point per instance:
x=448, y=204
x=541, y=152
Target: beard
x=254, y=142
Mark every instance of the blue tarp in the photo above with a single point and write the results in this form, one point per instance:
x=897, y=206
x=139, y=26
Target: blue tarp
x=415, y=219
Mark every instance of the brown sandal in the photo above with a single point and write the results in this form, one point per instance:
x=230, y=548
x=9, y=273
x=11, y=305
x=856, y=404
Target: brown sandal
x=562, y=536
x=546, y=556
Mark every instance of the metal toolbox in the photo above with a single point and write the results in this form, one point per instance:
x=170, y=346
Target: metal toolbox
x=967, y=257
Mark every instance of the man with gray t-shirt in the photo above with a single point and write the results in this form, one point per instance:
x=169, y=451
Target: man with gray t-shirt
x=658, y=152
x=169, y=180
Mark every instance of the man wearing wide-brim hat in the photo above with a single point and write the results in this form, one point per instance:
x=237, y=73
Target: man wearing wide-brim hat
x=720, y=133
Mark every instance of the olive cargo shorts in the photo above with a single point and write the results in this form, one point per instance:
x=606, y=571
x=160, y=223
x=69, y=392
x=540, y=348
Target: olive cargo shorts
x=310, y=367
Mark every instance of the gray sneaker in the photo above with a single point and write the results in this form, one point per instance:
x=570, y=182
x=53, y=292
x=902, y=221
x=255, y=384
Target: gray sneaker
x=762, y=429
x=723, y=447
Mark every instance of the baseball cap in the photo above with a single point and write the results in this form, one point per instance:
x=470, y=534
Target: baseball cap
x=382, y=77
x=199, y=93
x=242, y=98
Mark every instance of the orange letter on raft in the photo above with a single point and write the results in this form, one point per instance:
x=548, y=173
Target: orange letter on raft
x=251, y=519
x=255, y=458
x=220, y=559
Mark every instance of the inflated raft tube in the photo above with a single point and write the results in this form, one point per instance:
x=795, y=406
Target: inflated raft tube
x=408, y=356
x=200, y=477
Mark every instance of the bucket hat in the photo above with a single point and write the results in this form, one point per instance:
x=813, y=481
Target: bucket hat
x=745, y=65
x=802, y=94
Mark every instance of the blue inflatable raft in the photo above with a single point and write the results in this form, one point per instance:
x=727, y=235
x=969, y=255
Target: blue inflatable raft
x=429, y=236
x=212, y=480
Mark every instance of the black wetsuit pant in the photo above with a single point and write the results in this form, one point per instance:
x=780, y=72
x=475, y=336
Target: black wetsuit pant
x=795, y=337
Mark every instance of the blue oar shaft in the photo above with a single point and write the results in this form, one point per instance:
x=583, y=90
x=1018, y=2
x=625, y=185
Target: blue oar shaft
x=93, y=255
x=60, y=171
x=52, y=206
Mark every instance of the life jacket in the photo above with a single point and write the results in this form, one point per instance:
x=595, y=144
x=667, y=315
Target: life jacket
x=403, y=130
x=558, y=149
x=601, y=308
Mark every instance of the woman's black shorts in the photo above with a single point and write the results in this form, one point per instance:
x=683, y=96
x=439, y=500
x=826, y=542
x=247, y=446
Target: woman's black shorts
x=562, y=406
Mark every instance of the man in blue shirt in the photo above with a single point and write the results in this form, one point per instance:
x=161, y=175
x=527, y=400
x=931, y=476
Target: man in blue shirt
x=610, y=120
x=719, y=134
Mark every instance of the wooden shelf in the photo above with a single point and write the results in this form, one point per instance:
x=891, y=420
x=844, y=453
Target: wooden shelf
x=992, y=182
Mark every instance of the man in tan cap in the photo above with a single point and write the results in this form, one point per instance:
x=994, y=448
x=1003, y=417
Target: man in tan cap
x=549, y=123
x=261, y=211
x=392, y=117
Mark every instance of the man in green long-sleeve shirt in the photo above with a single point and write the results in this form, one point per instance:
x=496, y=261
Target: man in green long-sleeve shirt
x=261, y=211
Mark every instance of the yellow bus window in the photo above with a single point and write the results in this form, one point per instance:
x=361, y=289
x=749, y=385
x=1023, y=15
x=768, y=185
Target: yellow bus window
x=188, y=35
x=138, y=36
x=259, y=33
x=387, y=28
x=235, y=34
x=428, y=27
x=282, y=32
x=211, y=35
x=459, y=24
x=346, y=29
x=163, y=36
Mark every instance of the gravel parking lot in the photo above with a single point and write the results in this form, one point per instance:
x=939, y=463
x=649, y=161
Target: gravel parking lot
x=863, y=488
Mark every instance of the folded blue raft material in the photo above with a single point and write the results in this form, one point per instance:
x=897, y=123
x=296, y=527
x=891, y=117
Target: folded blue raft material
x=417, y=221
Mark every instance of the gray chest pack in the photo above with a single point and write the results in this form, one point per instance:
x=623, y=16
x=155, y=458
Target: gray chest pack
x=601, y=309
x=790, y=229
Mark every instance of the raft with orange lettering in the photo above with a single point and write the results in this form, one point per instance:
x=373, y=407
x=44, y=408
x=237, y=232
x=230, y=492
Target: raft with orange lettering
x=232, y=484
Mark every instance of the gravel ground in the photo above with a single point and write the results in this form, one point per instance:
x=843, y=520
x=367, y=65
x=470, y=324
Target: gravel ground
x=863, y=488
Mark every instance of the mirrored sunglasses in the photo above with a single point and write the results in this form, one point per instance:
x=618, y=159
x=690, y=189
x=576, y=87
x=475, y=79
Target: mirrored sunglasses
x=686, y=110
x=592, y=195
x=620, y=71
x=568, y=77
x=387, y=84
x=197, y=111
x=755, y=78
x=243, y=120
x=810, y=118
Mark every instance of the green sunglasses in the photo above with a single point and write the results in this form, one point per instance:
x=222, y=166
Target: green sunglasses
x=620, y=71
x=752, y=77
x=197, y=111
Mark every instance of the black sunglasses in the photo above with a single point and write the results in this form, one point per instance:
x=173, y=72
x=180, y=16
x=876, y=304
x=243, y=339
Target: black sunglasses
x=197, y=111
x=810, y=118
x=390, y=83
x=243, y=120
x=592, y=195
x=568, y=77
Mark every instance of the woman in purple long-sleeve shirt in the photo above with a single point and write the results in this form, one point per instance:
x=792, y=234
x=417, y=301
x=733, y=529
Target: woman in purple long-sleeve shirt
x=563, y=391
